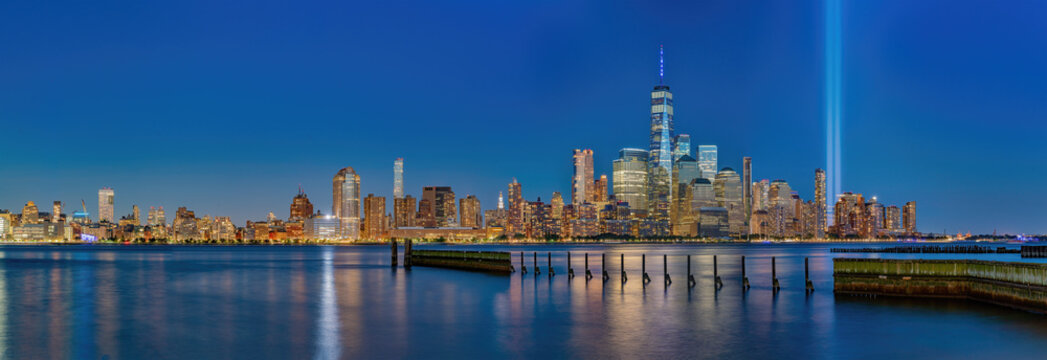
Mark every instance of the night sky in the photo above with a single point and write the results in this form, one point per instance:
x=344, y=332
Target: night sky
x=227, y=106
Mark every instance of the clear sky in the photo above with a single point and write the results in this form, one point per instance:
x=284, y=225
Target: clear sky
x=227, y=106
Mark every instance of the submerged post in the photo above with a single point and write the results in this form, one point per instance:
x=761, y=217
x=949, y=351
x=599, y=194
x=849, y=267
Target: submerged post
x=774, y=275
x=624, y=277
x=690, y=278
x=807, y=277
x=716, y=274
x=643, y=269
x=665, y=269
x=392, y=245
x=745, y=279
x=523, y=265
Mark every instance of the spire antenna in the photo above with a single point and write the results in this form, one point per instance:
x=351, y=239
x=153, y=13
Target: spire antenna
x=661, y=64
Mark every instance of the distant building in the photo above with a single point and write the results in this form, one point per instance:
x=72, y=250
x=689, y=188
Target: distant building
x=106, y=200
x=747, y=188
x=707, y=161
x=472, y=214
x=682, y=144
x=30, y=214
x=374, y=217
x=398, y=178
x=184, y=226
x=516, y=210
x=301, y=208
x=56, y=211
x=660, y=154
x=909, y=218
x=322, y=227
x=850, y=215
x=346, y=204
x=629, y=178
x=442, y=209
x=715, y=222
x=685, y=170
x=819, y=203
x=404, y=212
x=582, y=181
x=600, y=190
x=728, y=188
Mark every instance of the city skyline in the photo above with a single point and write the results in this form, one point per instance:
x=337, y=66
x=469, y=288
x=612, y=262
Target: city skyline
x=124, y=95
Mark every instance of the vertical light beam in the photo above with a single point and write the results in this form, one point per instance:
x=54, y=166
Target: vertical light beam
x=833, y=94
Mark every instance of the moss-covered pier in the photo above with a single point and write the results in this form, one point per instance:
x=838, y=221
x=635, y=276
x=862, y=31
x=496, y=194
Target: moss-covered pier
x=1018, y=285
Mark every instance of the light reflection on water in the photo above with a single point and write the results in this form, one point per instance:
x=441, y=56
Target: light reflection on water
x=347, y=302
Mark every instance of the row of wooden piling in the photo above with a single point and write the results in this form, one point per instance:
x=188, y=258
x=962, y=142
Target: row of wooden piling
x=667, y=279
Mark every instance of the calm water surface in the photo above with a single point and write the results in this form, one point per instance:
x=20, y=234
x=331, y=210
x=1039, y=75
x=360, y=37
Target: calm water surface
x=346, y=302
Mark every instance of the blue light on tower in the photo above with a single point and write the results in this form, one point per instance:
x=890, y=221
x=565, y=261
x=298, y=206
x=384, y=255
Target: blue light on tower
x=833, y=104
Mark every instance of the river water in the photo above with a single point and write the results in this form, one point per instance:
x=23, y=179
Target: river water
x=155, y=302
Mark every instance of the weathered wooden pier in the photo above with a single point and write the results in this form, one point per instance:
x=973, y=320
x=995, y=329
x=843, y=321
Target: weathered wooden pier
x=929, y=249
x=1034, y=251
x=1018, y=285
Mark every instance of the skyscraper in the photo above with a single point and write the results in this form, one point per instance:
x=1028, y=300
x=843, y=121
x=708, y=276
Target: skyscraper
x=516, y=209
x=819, y=203
x=630, y=178
x=582, y=182
x=301, y=208
x=747, y=188
x=404, y=212
x=398, y=178
x=136, y=214
x=442, y=208
x=909, y=218
x=707, y=161
x=472, y=214
x=683, y=146
x=685, y=170
x=374, y=217
x=56, y=211
x=105, y=204
x=501, y=203
x=346, y=204
x=728, y=187
x=600, y=190
x=660, y=157
x=30, y=214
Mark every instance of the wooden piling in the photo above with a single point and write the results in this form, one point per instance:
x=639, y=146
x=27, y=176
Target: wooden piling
x=603, y=265
x=407, y=254
x=570, y=270
x=690, y=278
x=807, y=276
x=396, y=255
x=643, y=269
x=774, y=275
x=745, y=279
x=588, y=274
x=665, y=269
x=624, y=277
x=716, y=274
x=537, y=270
x=523, y=266
x=550, y=264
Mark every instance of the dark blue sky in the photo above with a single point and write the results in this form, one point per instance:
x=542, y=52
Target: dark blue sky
x=225, y=107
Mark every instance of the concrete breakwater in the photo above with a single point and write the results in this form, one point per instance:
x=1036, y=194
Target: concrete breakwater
x=491, y=261
x=1018, y=285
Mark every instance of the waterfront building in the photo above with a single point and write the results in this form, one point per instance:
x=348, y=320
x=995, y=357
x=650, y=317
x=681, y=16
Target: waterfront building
x=374, y=217
x=495, y=218
x=660, y=157
x=106, y=200
x=682, y=147
x=582, y=181
x=223, y=229
x=404, y=213
x=728, y=188
x=39, y=231
x=760, y=196
x=780, y=196
x=156, y=216
x=714, y=222
x=586, y=222
x=398, y=178
x=819, y=204
x=909, y=218
x=893, y=219
x=6, y=223
x=425, y=217
x=630, y=178
x=446, y=233
x=556, y=205
x=707, y=161
x=346, y=204
x=747, y=188
x=516, y=210
x=850, y=214
x=30, y=214
x=442, y=210
x=875, y=214
x=301, y=208
x=760, y=223
x=184, y=225
x=472, y=214
x=322, y=227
